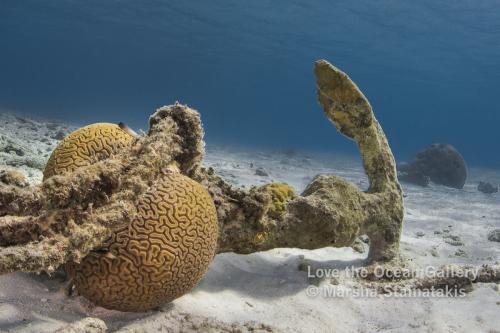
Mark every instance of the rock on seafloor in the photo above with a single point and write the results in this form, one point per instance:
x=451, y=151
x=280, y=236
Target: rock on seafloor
x=441, y=163
x=13, y=177
x=261, y=172
x=413, y=177
x=487, y=188
x=494, y=235
x=86, y=325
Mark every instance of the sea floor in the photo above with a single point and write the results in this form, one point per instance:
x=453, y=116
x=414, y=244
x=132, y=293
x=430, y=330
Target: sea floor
x=267, y=292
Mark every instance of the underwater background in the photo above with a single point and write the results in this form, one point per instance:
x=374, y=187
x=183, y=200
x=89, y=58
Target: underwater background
x=430, y=68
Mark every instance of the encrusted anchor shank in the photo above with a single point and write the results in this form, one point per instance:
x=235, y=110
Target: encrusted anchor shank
x=382, y=206
x=331, y=211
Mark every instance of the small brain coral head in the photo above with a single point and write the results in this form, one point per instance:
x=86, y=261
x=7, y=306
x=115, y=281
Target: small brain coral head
x=85, y=146
x=160, y=256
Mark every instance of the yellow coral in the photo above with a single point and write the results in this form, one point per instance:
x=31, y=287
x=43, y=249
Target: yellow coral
x=260, y=238
x=85, y=146
x=281, y=194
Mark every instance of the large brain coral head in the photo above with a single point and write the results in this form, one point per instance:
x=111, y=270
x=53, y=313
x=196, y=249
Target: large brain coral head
x=166, y=249
x=160, y=256
x=85, y=146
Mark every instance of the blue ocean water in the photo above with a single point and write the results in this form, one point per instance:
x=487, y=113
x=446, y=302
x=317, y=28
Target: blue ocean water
x=431, y=69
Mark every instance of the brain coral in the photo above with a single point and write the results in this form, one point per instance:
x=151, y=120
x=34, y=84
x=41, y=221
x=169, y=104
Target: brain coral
x=161, y=256
x=166, y=249
x=85, y=146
